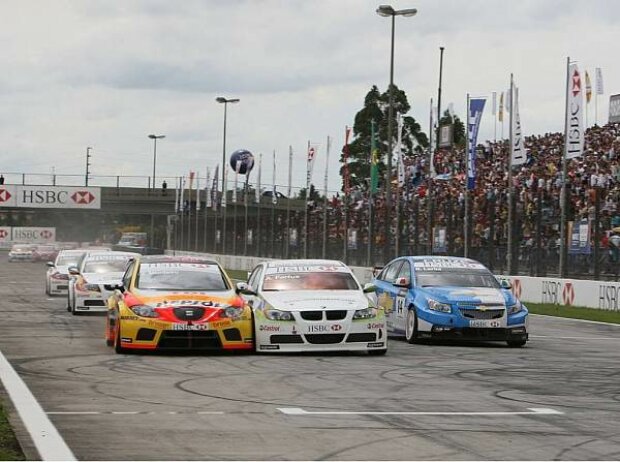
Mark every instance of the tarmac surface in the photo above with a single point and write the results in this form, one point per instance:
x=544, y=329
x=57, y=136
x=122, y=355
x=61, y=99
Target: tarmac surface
x=558, y=398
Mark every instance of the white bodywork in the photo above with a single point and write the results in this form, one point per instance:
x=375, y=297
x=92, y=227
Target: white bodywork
x=57, y=276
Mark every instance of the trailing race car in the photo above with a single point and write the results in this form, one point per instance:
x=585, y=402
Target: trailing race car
x=21, y=252
x=93, y=276
x=429, y=296
x=167, y=302
x=57, y=277
x=312, y=305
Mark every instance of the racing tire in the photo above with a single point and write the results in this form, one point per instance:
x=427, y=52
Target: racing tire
x=47, y=289
x=517, y=343
x=411, y=326
x=377, y=352
x=118, y=349
x=68, y=302
x=74, y=312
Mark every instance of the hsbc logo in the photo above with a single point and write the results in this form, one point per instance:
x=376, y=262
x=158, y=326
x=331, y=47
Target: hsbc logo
x=4, y=195
x=3, y=233
x=576, y=83
x=82, y=197
x=45, y=234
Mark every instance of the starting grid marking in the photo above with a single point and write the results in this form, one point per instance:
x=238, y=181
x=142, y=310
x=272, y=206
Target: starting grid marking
x=297, y=411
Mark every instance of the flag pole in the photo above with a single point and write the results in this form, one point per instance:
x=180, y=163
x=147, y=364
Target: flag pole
x=563, y=195
x=509, y=256
x=288, y=201
x=245, y=203
x=466, y=191
x=306, y=204
x=197, y=210
x=495, y=116
x=324, y=253
x=258, y=204
x=370, y=194
x=274, y=200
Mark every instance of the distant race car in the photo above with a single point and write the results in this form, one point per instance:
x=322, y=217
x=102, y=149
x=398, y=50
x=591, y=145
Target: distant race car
x=94, y=275
x=44, y=252
x=431, y=296
x=186, y=303
x=57, y=276
x=312, y=305
x=21, y=252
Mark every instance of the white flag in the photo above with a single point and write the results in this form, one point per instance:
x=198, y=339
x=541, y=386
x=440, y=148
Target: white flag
x=312, y=151
x=290, y=172
x=274, y=194
x=508, y=100
x=494, y=103
x=518, y=155
x=574, y=116
x=177, y=186
x=207, y=191
x=224, y=186
x=260, y=163
x=399, y=151
x=197, y=191
x=237, y=168
x=599, y=81
x=182, y=201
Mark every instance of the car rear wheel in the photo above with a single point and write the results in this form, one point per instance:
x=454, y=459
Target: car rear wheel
x=117, y=339
x=47, y=288
x=411, y=326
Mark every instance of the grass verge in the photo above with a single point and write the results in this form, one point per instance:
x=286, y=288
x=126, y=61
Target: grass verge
x=575, y=312
x=9, y=447
x=237, y=274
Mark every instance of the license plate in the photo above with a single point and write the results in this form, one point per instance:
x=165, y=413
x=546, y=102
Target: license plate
x=484, y=323
x=190, y=327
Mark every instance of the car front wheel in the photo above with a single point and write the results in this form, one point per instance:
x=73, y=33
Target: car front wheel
x=411, y=326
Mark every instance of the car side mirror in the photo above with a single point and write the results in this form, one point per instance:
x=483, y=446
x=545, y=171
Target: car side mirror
x=50, y=264
x=402, y=282
x=73, y=270
x=505, y=283
x=248, y=275
x=244, y=289
x=369, y=288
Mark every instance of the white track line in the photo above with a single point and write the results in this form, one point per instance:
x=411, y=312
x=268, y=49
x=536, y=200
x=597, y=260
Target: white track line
x=562, y=318
x=530, y=411
x=45, y=436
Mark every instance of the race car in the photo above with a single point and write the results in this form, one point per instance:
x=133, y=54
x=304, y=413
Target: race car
x=57, y=276
x=432, y=296
x=21, y=252
x=312, y=305
x=44, y=252
x=93, y=275
x=172, y=303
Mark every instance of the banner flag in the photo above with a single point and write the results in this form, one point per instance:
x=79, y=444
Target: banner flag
x=500, y=115
x=474, y=115
x=508, y=102
x=518, y=155
x=574, y=115
x=347, y=177
x=224, y=186
x=260, y=167
x=177, y=195
x=274, y=197
x=236, y=184
x=329, y=144
x=399, y=151
x=494, y=113
x=182, y=200
x=197, y=191
x=312, y=151
x=208, y=192
x=290, y=172
x=588, y=88
x=599, y=81
x=215, y=188
x=374, y=160
x=432, y=139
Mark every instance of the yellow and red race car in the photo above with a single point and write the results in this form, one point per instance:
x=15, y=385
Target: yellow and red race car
x=177, y=303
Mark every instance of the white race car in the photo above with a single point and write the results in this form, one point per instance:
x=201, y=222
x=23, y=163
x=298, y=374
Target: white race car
x=21, y=252
x=57, y=277
x=95, y=271
x=312, y=305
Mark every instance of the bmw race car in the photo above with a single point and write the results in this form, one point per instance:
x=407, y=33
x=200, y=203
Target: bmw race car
x=312, y=305
x=93, y=276
x=21, y=252
x=57, y=277
x=430, y=296
x=167, y=302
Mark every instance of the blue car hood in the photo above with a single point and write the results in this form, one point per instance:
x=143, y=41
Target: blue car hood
x=468, y=295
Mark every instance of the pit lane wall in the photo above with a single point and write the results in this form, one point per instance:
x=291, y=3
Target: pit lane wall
x=604, y=295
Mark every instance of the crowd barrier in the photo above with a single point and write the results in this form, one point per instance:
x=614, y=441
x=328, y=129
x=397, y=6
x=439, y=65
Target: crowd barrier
x=563, y=292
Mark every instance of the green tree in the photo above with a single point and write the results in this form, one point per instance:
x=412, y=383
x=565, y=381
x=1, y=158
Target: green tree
x=459, y=128
x=376, y=107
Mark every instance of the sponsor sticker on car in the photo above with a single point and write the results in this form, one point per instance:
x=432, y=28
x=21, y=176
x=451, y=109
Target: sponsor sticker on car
x=484, y=323
x=192, y=327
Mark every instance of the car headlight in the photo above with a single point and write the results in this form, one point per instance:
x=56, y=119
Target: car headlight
x=365, y=313
x=88, y=287
x=515, y=308
x=232, y=312
x=277, y=315
x=145, y=311
x=438, y=306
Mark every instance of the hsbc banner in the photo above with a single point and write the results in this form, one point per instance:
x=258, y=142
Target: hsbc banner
x=5, y=234
x=35, y=235
x=50, y=197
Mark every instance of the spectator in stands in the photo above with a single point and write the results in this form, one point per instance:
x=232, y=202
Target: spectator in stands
x=164, y=188
x=1, y=179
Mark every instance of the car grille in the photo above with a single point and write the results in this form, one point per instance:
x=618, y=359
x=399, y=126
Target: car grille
x=186, y=313
x=331, y=315
x=186, y=340
x=335, y=315
x=472, y=313
x=323, y=339
x=311, y=315
x=285, y=339
x=94, y=302
x=146, y=334
x=362, y=337
x=232, y=335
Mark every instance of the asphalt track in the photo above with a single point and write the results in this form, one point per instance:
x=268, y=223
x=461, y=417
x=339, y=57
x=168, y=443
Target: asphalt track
x=556, y=399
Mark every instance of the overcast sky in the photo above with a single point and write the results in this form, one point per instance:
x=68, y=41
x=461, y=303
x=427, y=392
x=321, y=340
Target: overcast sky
x=106, y=73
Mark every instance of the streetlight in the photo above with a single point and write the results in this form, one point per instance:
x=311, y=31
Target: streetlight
x=224, y=101
x=387, y=11
x=155, y=138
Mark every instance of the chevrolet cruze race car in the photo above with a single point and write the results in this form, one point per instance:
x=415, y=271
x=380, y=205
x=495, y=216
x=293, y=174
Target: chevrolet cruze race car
x=57, y=277
x=312, y=305
x=93, y=276
x=430, y=296
x=168, y=302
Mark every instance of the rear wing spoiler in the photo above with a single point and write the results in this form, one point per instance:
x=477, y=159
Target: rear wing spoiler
x=376, y=270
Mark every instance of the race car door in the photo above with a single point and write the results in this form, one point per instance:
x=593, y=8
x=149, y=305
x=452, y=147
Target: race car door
x=386, y=295
x=400, y=288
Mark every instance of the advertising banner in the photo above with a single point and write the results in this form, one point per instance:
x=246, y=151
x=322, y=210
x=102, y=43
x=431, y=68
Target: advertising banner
x=579, y=233
x=614, y=109
x=476, y=106
x=439, y=239
x=5, y=233
x=50, y=197
x=574, y=114
x=352, y=239
x=33, y=234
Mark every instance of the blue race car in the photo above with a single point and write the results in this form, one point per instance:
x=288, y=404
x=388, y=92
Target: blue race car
x=439, y=297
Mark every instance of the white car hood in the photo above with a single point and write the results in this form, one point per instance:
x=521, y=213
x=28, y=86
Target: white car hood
x=310, y=300
x=103, y=278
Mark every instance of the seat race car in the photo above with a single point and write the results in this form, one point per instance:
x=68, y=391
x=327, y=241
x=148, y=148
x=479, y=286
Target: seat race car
x=177, y=303
x=57, y=276
x=312, y=305
x=92, y=279
x=439, y=297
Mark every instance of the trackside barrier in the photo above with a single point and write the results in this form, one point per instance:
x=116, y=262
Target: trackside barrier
x=603, y=295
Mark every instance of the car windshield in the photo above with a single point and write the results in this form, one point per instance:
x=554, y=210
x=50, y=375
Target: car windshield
x=309, y=281
x=106, y=266
x=68, y=260
x=181, y=276
x=457, y=279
